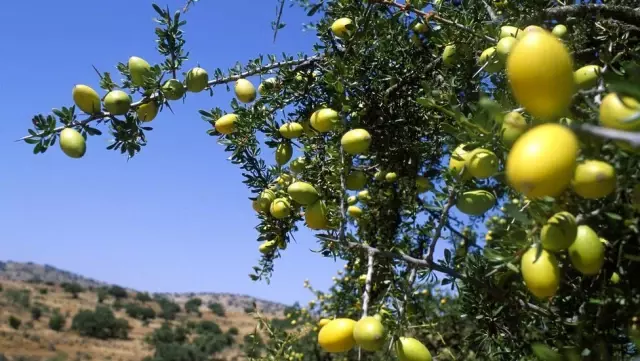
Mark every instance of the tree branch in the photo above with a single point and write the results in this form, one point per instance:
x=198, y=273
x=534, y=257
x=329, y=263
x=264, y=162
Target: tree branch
x=633, y=138
x=102, y=115
x=441, y=223
x=367, y=285
x=623, y=13
x=492, y=14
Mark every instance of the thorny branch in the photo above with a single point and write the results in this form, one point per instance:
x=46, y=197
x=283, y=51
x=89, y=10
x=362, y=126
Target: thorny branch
x=102, y=115
x=441, y=224
x=367, y=285
x=623, y=13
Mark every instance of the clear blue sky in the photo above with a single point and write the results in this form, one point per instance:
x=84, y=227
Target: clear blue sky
x=174, y=218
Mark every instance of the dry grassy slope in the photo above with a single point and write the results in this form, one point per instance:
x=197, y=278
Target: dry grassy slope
x=36, y=341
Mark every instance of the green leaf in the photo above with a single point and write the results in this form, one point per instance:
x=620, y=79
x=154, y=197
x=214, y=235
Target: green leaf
x=545, y=353
x=315, y=9
x=158, y=10
x=613, y=216
x=513, y=211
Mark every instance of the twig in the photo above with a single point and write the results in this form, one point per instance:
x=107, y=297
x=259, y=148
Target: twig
x=441, y=223
x=623, y=13
x=367, y=286
x=432, y=15
x=492, y=14
x=99, y=116
x=633, y=138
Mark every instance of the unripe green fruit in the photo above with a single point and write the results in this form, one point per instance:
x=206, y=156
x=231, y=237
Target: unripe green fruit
x=356, y=141
x=356, y=180
x=475, y=202
x=245, y=91
x=139, y=69
x=291, y=130
x=147, y=111
x=284, y=151
x=449, y=55
x=86, y=99
x=280, y=208
x=173, y=89
x=303, y=193
x=559, y=232
x=197, y=80
x=72, y=143
x=117, y=102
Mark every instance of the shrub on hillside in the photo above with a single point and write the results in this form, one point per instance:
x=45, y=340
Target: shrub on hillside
x=140, y=312
x=36, y=313
x=101, y=324
x=143, y=297
x=205, y=327
x=167, y=335
x=217, y=309
x=177, y=352
x=233, y=331
x=57, y=321
x=117, y=305
x=18, y=297
x=43, y=291
x=102, y=294
x=73, y=288
x=193, y=305
x=118, y=292
x=169, y=309
x=14, y=322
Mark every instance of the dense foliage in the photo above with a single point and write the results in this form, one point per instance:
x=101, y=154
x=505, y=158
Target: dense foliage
x=416, y=129
x=100, y=323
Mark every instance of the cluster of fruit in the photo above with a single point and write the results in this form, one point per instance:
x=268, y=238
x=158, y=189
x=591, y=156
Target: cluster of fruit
x=342, y=334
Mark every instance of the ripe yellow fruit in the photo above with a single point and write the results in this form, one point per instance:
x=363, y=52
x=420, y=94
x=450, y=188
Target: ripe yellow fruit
x=390, y=177
x=267, y=247
x=542, y=161
x=421, y=28
x=245, y=91
x=324, y=119
x=510, y=31
x=267, y=86
x=117, y=102
x=226, y=124
x=86, y=99
x=323, y=322
x=587, y=76
x=354, y=211
x=594, y=179
x=540, y=72
x=284, y=152
x=615, y=278
x=342, y=27
x=316, y=215
x=291, y=130
x=280, y=208
x=504, y=47
x=513, y=126
x=197, y=80
x=352, y=200
x=559, y=232
x=541, y=277
x=587, y=252
x=449, y=55
x=490, y=56
x=356, y=180
x=615, y=108
x=369, y=333
x=147, y=111
x=482, y=163
x=410, y=349
x=458, y=162
x=337, y=335
x=476, y=202
x=297, y=165
x=72, y=143
x=139, y=69
x=356, y=141
x=362, y=279
x=303, y=193
x=559, y=31
x=173, y=89
x=423, y=184
x=364, y=196
x=265, y=199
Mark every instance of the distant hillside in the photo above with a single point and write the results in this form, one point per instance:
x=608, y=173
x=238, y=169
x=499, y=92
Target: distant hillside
x=29, y=272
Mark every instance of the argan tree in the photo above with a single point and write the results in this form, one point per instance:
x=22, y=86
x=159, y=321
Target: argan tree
x=474, y=162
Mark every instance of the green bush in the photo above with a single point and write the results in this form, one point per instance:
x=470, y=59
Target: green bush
x=118, y=292
x=205, y=327
x=19, y=297
x=101, y=324
x=73, y=288
x=117, y=305
x=14, y=322
x=143, y=297
x=36, y=313
x=102, y=294
x=140, y=312
x=169, y=309
x=57, y=321
x=233, y=331
x=193, y=306
x=217, y=309
x=43, y=291
x=167, y=335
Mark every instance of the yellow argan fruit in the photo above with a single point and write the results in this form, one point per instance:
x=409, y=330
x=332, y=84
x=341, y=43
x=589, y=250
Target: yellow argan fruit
x=541, y=277
x=139, y=69
x=72, y=143
x=245, y=91
x=594, y=179
x=117, y=102
x=226, y=123
x=147, y=111
x=86, y=99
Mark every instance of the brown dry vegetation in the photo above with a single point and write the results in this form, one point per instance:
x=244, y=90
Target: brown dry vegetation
x=35, y=341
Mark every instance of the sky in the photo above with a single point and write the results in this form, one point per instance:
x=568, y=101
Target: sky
x=175, y=218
